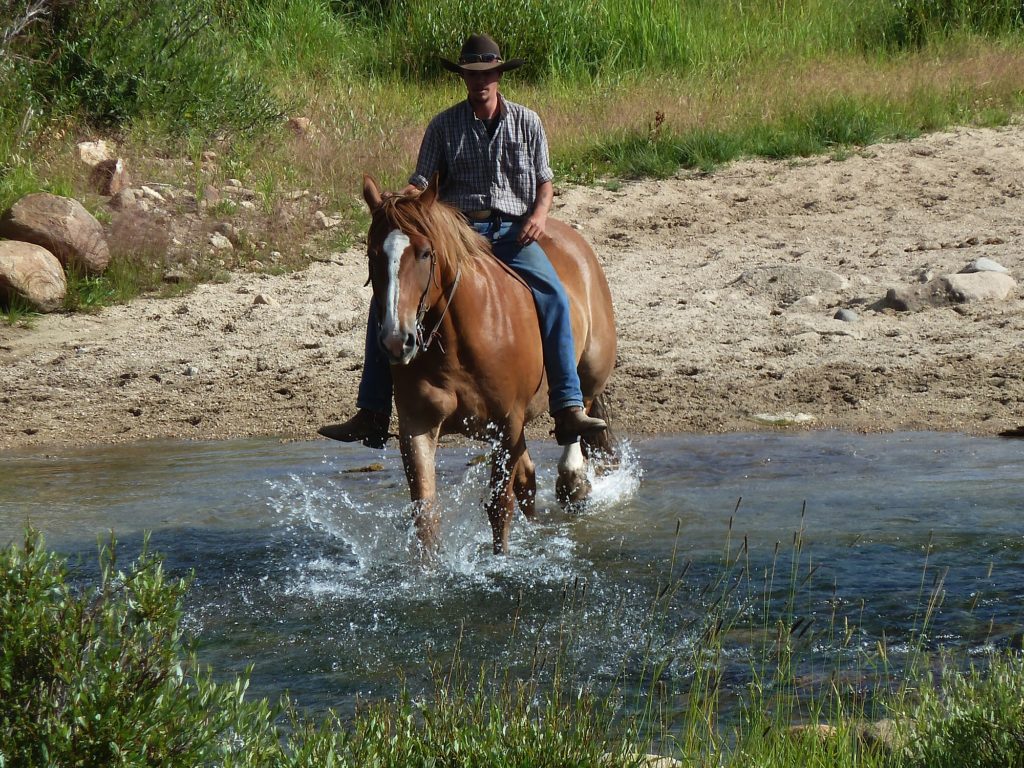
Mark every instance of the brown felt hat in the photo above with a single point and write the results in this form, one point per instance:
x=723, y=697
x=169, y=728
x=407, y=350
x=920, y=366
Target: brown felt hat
x=480, y=54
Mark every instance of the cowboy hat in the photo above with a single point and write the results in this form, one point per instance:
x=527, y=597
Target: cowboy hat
x=480, y=54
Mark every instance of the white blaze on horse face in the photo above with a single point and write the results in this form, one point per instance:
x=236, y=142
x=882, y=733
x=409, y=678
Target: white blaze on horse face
x=394, y=246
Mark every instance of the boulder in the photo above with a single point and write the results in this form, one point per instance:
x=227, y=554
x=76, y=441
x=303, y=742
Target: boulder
x=60, y=225
x=979, y=286
x=32, y=273
x=946, y=290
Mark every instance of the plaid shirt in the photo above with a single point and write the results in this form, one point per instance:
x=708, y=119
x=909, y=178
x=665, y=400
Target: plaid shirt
x=478, y=171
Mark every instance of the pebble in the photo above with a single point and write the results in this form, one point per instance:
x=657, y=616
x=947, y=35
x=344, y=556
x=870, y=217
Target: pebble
x=190, y=370
x=846, y=315
x=221, y=243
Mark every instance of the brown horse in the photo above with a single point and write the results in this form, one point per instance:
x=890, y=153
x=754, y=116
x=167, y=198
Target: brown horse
x=462, y=334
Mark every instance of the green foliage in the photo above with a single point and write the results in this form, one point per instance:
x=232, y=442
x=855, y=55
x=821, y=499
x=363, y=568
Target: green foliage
x=971, y=718
x=110, y=62
x=908, y=24
x=16, y=311
x=101, y=676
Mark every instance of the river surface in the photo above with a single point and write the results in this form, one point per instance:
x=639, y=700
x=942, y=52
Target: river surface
x=305, y=568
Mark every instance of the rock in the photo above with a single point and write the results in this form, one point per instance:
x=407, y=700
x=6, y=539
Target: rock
x=325, y=221
x=125, y=200
x=979, y=286
x=946, y=290
x=233, y=183
x=787, y=283
x=152, y=194
x=110, y=177
x=219, y=242
x=190, y=370
x=984, y=265
x=784, y=419
x=208, y=156
x=262, y=298
x=846, y=315
x=92, y=153
x=230, y=231
x=33, y=274
x=60, y=225
x=174, y=276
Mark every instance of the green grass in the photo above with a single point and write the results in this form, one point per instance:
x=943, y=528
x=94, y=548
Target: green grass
x=16, y=311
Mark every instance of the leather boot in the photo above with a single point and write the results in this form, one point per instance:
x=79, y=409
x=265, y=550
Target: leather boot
x=573, y=422
x=368, y=427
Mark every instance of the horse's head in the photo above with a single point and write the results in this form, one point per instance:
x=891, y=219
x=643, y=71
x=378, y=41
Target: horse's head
x=403, y=267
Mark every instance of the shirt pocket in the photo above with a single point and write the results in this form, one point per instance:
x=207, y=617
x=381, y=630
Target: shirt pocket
x=515, y=159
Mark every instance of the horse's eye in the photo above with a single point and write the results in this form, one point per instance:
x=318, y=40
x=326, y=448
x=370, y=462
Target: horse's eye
x=424, y=253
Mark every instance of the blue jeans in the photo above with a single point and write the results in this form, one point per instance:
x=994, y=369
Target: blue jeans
x=532, y=264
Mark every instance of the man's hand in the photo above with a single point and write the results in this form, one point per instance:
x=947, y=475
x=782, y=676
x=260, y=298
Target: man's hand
x=536, y=224
x=534, y=228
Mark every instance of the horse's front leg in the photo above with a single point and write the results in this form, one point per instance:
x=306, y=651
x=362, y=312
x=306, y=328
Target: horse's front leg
x=505, y=459
x=418, y=454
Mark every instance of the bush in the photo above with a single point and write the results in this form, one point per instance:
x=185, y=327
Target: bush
x=111, y=62
x=101, y=677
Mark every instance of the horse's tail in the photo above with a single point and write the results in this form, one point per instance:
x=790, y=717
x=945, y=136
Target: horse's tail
x=603, y=443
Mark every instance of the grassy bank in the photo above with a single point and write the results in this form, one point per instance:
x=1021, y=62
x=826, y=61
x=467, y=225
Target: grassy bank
x=625, y=88
x=99, y=672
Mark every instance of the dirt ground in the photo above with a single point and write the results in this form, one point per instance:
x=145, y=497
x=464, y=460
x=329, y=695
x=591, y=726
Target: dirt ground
x=725, y=288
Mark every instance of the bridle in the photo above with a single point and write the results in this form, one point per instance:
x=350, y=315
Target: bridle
x=421, y=310
x=425, y=340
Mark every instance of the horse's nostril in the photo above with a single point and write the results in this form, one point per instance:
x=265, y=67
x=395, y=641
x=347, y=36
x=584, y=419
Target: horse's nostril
x=410, y=341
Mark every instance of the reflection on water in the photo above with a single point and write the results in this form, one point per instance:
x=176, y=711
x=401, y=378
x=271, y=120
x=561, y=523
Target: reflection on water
x=303, y=566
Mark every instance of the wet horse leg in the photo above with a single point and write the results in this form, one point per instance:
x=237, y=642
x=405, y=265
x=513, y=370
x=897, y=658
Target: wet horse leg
x=505, y=459
x=525, y=485
x=572, y=486
x=418, y=454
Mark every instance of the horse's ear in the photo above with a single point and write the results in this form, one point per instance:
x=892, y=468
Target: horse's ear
x=371, y=192
x=429, y=195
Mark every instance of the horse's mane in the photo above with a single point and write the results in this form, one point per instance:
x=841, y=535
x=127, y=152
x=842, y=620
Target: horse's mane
x=445, y=227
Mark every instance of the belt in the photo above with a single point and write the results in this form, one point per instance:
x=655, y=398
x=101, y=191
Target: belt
x=491, y=214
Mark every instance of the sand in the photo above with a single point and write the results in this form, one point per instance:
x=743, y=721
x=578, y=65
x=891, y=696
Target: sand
x=725, y=286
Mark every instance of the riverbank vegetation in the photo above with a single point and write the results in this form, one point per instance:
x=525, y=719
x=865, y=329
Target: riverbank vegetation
x=626, y=89
x=99, y=672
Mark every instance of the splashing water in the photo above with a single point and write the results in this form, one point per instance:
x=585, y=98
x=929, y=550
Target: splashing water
x=306, y=567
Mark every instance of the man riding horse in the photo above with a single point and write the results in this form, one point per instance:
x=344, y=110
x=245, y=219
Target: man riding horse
x=492, y=158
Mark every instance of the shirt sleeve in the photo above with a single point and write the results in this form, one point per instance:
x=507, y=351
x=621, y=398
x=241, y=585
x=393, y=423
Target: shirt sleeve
x=429, y=161
x=542, y=162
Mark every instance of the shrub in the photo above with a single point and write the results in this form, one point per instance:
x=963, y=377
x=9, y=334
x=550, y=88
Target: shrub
x=101, y=676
